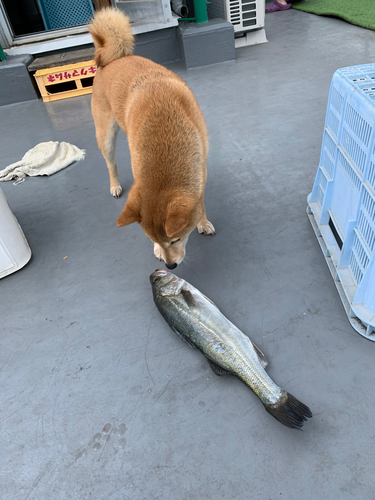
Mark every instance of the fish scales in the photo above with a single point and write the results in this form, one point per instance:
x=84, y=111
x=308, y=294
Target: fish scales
x=199, y=322
x=212, y=333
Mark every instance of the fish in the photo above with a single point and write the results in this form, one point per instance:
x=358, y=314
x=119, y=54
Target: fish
x=199, y=322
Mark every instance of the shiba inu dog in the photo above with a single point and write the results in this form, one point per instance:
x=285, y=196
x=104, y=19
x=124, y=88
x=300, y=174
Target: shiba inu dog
x=166, y=133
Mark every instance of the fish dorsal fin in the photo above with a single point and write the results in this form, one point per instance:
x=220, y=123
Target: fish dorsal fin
x=209, y=300
x=183, y=337
x=260, y=355
x=188, y=298
x=217, y=369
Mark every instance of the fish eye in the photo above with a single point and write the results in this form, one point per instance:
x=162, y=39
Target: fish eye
x=155, y=280
x=175, y=241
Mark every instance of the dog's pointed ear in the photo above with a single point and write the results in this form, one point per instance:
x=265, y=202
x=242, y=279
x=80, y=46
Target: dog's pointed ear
x=131, y=211
x=179, y=214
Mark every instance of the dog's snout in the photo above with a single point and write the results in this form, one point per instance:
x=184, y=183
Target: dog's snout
x=171, y=266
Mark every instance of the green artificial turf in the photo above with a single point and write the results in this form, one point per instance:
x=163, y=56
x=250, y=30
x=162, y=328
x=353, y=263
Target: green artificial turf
x=359, y=12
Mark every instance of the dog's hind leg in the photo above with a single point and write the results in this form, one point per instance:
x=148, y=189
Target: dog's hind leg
x=106, y=134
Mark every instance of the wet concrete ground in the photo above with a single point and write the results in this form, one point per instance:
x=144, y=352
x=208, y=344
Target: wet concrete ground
x=100, y=399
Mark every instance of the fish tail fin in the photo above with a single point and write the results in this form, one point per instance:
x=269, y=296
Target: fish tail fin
x=289, y=411
x=112, y=34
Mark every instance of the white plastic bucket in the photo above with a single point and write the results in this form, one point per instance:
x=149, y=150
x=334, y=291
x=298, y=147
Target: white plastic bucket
x=14, y=249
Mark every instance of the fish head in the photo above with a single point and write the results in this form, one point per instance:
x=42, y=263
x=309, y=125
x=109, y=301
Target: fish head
x=165, y=283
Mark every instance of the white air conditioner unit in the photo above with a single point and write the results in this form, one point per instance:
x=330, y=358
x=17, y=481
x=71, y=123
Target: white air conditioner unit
x=247, y=17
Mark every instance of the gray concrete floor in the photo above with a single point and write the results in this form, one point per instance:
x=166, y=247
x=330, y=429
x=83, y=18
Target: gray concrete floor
x=83, y=345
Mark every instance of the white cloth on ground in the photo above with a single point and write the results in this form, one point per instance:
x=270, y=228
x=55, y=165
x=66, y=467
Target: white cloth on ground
x=44, y=159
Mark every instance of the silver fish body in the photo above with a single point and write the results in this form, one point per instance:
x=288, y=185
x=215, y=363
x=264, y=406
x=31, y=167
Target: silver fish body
x=199, y=322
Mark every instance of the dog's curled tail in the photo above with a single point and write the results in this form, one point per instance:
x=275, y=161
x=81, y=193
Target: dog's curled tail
x=112, y=34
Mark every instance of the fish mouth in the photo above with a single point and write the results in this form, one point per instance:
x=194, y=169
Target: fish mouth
x=160, y=273
x=164, y=275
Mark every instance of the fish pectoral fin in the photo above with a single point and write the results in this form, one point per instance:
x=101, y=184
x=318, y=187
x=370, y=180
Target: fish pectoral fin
x=188, y=298
x=217, y=369
x=260, y=355
x=183, y=338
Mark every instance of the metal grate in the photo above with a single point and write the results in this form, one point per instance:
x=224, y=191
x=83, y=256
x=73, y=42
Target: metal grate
x=234, y=12
x=245, y=15
x=64, y=13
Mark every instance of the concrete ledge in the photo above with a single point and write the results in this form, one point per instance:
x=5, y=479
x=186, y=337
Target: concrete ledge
x=159, y=46
x=206, y=43
x=60, y=59
x=15, y=82
x=196, y=44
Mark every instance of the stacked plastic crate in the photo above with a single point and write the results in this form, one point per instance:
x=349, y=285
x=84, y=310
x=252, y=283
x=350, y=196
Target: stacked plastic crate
x=341, y=206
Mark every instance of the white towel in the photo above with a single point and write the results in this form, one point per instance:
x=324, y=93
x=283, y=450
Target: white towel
x=45, y=159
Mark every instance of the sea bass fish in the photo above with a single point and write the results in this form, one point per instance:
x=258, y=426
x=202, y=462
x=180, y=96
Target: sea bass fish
x=198, y=321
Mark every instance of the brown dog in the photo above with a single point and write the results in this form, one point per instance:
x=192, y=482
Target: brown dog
x=166, y=133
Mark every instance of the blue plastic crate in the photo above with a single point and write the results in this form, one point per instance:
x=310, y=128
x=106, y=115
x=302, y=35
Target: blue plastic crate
x=341, y=206
x=65, y=13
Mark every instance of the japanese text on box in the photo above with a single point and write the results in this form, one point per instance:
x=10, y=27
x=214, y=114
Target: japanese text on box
x=67, y=75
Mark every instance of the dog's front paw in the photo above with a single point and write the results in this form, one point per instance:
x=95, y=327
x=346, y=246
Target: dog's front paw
x=206, y=227
x=116, y=191
x=157, y=252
